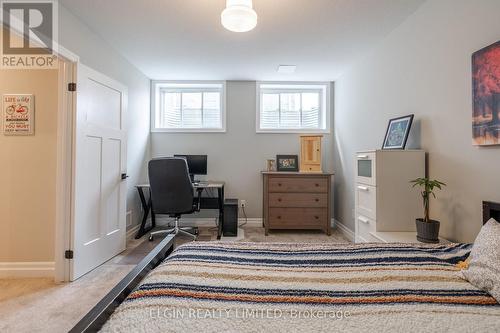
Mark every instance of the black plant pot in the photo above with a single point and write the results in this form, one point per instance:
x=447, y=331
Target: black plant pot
x=427, y=232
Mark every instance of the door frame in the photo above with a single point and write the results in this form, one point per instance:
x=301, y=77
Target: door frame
x=66, y=129
x=64, y=166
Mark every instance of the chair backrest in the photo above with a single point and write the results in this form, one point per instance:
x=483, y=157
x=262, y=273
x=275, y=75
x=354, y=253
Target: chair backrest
x=171, y=188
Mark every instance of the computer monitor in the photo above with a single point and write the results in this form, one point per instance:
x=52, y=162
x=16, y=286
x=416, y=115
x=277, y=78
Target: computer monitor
x=197, y=164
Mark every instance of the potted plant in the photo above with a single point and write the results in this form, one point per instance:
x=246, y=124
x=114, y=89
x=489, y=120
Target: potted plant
x=427, y=229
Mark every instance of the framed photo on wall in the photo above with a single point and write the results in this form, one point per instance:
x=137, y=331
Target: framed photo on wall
x=287, y=162
x=397, y=132
x=486, y=96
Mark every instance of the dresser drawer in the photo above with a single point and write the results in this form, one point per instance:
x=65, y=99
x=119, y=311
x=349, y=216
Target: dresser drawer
x=297, y=217
x=299, y=184
x=365, y=226
x=298, y=200
x=366, y=200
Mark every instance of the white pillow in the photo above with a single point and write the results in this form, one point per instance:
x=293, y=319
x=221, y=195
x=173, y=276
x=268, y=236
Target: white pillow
x=484, y=267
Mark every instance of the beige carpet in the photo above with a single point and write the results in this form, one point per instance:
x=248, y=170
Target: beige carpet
x=29, y=305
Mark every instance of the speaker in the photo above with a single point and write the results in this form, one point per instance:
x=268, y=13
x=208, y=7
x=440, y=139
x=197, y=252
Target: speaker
x=230, y=225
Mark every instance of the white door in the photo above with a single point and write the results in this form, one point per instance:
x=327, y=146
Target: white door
x=99, y=193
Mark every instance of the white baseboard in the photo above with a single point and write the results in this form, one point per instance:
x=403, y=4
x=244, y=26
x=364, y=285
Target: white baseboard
x=133, y=231
x=193, y=222
x=27, y=269
x=206, y=221
x=348, y=233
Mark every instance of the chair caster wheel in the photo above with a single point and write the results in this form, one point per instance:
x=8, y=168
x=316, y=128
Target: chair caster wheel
x=151, y=238
x=196, y=232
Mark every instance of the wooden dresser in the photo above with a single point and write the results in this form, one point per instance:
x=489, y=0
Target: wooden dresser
x=295, y=200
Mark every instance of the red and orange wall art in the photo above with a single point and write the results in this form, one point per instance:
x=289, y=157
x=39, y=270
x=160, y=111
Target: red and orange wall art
x=486, y=96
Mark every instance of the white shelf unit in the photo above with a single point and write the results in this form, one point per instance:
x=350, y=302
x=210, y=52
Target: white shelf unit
x=385, y=200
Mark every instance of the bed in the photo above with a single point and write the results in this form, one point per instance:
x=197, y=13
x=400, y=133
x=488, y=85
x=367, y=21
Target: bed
x=258, y=287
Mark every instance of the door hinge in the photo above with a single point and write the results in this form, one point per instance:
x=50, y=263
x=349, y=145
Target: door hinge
x=68, y=254
x=72, y=86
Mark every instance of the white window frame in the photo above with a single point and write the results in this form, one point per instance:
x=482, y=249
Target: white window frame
x=290, y=87
x=157, y=85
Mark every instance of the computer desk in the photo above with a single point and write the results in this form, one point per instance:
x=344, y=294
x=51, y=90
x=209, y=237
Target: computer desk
x=205, y=203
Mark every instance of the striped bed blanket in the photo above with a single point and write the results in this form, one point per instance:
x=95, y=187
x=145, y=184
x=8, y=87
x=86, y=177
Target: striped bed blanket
x=274, y=287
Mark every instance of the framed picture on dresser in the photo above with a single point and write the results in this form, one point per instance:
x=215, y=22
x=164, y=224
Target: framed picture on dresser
x=397, y=132
x=287, y=162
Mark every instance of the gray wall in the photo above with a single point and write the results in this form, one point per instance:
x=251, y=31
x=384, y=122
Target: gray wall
x=424, y=67
x=97, y=54
x=238, y=155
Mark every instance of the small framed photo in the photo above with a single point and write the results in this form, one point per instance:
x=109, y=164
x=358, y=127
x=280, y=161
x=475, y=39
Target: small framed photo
x=287, y=162
x=397, y=132
x=271, y=165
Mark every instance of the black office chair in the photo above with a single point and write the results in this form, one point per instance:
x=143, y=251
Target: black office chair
x=172, y=193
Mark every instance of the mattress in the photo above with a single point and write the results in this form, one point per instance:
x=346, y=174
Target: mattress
x=274, y=287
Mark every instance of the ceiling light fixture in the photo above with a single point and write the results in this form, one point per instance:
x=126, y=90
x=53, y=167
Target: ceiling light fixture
x=239, y=16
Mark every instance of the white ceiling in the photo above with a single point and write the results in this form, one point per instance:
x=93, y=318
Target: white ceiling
x=183, y=39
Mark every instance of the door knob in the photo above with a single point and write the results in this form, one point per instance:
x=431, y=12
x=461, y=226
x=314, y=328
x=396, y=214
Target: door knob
x=124, y=176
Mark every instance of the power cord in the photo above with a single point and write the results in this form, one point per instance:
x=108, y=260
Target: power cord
x=245, y=215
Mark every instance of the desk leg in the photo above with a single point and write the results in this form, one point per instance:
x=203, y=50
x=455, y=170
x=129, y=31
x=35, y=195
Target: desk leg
x=221, y=211
x=153, y=215
x=146, y=207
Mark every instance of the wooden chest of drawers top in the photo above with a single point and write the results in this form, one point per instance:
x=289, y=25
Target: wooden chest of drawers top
x=298, y=182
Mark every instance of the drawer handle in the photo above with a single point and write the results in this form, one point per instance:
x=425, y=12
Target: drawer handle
x=317, y=185
x=363, y=188
x=278, y=217
x=362, y=156
x=279, y=184
x=279, y=199
x=363, y=219
x=317, y=200
x=316, y=217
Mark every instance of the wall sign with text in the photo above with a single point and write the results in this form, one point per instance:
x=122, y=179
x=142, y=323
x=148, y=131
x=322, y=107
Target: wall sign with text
x=18, y=115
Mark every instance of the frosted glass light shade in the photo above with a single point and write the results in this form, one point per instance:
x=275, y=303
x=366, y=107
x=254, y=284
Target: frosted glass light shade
x=239, y=16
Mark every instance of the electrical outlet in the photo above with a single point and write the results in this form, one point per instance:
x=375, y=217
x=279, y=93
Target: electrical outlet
x=243, y=203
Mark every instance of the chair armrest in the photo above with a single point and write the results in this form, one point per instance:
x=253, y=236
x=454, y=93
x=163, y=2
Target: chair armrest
x=198, y=199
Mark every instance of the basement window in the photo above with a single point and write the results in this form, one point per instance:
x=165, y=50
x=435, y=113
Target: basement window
x=188, y=106
x=293, y=107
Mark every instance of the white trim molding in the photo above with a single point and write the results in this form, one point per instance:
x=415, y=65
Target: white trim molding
x=193, y=222
x=27, y=269
x=206, y=221
x=132, y=231
x=344, y=230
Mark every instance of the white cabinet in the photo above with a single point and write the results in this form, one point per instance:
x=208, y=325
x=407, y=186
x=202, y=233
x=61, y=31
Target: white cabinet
x=385, y=199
